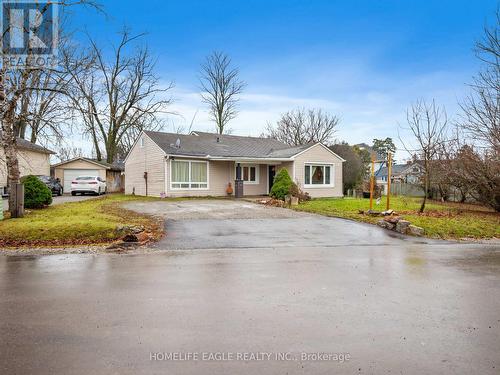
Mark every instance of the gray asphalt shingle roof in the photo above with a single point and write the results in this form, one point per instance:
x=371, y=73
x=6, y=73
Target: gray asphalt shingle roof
x=208, y=144
x=396, y=169
x=27, y=145
x=117, y=165
x=290, y=151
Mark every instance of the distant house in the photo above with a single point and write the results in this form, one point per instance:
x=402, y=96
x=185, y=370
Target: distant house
x=203, y=164
x=68, y=170
x=380, y=159
x=33, y=159
x=409, y=173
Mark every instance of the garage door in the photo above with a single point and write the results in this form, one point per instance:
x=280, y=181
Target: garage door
x=71, y=174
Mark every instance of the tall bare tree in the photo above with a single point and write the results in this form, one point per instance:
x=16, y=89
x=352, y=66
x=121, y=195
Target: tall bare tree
x=42, y=110
x=14, y=83
x=301, y=126
x=220, y=86
x=427, y=122
x=115, y=95
x=481, y=121
x=481, y=110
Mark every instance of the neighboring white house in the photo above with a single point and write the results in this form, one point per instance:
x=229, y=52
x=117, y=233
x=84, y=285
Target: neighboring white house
x=33, y=159
x=203, y=164
x=409, y=173
x=380, y=159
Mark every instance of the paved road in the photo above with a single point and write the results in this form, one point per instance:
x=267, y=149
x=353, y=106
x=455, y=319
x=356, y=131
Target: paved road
x=58, y=200
x=289, y=284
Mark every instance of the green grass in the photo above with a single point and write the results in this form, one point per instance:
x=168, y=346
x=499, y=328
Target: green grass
x=439, y=220
x=85, y=222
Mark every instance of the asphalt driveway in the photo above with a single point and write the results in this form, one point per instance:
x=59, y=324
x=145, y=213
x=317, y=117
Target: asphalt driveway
x=262, y=292
x=223, y=224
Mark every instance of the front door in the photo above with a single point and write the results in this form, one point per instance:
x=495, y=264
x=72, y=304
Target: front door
x=271, y=173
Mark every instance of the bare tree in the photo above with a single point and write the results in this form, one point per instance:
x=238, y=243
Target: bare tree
x=42, y=110
x=116, y=95
x=427, y=122
x=14, y=82
x=480, y=159
x=220, y=87
x=129, y=138
x=301, y=126
x=69, y=152
x=481, y=110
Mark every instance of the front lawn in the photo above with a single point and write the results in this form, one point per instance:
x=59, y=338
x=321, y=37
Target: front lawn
x=439, y=220
x=76, y=223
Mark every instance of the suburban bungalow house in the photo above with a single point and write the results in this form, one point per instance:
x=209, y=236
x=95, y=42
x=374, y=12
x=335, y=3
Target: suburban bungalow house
x=409, y=173
x=33, y=159
x=203, y=164
x=68, y=170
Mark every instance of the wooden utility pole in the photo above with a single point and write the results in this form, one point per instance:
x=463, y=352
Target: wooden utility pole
x=389, y=175
x=372, y=181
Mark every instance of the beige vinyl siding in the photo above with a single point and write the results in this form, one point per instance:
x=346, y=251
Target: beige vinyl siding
x=151, y=159
x=220, y=173
x=30, y=162
x=288, y=165
x=318, y=154
x=254, y=189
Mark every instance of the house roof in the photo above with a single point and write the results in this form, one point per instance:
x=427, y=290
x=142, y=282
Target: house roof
x=119, y=166
x=398, y=169
x=27, y=145
x=363, y=146
x=290, y=151
x=215, y=145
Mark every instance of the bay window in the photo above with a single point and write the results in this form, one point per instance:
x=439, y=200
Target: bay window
x=187, y=174
x=318, y=175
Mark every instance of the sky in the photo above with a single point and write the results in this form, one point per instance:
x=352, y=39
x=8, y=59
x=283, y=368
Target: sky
x=364, y=61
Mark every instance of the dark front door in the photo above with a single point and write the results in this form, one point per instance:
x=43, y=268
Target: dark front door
x=272, y=173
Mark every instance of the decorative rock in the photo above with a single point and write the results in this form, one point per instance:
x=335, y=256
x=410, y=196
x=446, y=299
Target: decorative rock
x=415, y=231
x=130, y=238
x=402, y=226
x=131, y=229
x=388, y=212
x=373, y=213
x=385, y=224
x=392, y=219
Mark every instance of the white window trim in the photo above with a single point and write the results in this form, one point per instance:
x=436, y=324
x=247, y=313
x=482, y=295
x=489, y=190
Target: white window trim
x=318, y=186
x=189, y=188
x=257, y=173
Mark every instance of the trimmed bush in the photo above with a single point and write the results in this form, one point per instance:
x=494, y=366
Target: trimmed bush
x=282, y=185
x=36, y=193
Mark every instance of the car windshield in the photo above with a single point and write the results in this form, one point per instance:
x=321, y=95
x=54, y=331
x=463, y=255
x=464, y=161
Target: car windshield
x=85, y=178
x=44, y=178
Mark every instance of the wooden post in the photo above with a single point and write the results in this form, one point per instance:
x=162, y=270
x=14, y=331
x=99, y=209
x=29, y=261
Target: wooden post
x=18, y=191
x=389, y=174
x=372, y=181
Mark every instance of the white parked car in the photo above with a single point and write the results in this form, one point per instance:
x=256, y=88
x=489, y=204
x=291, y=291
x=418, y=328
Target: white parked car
x=88, y=184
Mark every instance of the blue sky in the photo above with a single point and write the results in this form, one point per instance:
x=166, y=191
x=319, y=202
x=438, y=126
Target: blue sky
x=365, y=61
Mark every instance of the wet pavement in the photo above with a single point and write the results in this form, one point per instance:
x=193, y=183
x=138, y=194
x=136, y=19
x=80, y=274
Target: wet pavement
x=292, y=285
